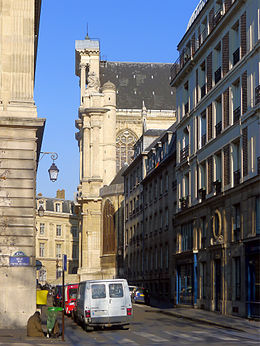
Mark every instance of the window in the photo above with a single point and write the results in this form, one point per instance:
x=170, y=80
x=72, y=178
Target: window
x=98, y=291
x=42, y=249
x=218, y=109
x=74, y=232
x=161, y=257
x=166, y=256
x=58, y=250
x=75, y=250
x=186, y=237
x=166, y=182
x=161, y=186
x=236, y=222
x=124, y=148
x=57, y=207
x=203, y=232
x=42, y=228
x=166, y=218
x=58, y=230
x=115, y=291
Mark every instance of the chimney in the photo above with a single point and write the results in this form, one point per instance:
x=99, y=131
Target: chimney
x=60, y=194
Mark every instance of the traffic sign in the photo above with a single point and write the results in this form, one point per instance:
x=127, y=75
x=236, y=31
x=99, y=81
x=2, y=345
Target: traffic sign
x=64, y=262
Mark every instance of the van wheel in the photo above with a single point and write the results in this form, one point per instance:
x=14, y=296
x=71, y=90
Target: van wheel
x=87, y=328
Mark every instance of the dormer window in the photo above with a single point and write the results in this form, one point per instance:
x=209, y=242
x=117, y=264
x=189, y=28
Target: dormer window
x=57, y=207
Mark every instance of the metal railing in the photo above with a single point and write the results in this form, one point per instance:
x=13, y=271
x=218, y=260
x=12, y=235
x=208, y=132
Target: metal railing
x=184, y=153
x=237, y=177
x=236, y=114
x=181, y=61
x=218, y=128
x=217, y=75
x=236, y=56
x=257, y=95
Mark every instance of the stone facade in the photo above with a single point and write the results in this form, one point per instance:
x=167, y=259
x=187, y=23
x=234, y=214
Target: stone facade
x=112, y=116
x=20, y=142
x=217, y=92
x=150, y=205
x=57, y=234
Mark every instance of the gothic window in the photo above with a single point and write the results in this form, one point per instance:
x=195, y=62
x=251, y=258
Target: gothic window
x=125, y=141
x=108, y=228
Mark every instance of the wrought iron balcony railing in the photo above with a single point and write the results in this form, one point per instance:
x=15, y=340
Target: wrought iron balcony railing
x=236, y=114
x=217, y=185
x=218, y=128
x=184, y=153
x=217, y=75
x=257, y=95
x=237, y=177
x=202, y=193
x=236, y=56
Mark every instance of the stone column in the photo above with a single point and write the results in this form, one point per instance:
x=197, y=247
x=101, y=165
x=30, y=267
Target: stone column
x=86, y=162
x=95, y=133
x=82, y=81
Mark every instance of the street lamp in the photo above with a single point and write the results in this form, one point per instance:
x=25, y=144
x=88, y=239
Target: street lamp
x=53, y=170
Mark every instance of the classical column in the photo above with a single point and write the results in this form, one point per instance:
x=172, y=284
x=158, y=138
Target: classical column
x=82, y=81
x=86, y=162
x=95, y=133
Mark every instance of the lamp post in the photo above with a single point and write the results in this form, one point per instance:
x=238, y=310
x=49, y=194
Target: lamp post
x=53, y=170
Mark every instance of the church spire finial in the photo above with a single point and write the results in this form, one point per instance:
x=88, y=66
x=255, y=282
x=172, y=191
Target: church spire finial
x=87, y=37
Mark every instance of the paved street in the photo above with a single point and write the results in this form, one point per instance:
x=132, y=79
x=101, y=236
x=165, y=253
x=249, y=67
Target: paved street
x=149, y=327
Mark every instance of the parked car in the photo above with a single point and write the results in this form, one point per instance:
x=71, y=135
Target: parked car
x=141, y=295
x=57, y=297
x=70, y=297
x=131, y=290
x=102, y=303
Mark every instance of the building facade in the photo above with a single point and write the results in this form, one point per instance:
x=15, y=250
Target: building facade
x=20, y=142
x=217, y=92
x=150, y=204
x=117, y=101
x=57, y=234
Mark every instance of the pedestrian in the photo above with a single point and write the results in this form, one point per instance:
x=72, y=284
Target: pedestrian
x=34, y=325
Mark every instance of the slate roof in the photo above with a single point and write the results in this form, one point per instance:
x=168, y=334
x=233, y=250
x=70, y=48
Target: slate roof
x=137, y=82
x=119, y=179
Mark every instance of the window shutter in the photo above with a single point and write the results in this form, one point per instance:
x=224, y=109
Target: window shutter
x=227, y=4
x=243, y=34
x=226, y=165
x=211, y=19
x=210, y=173
x=209, y=72
x=226, y=108
x=197, y=86
x=244, y=92
x=209, y=121
x=244, y=146
x=193, y=44
x=225, y=54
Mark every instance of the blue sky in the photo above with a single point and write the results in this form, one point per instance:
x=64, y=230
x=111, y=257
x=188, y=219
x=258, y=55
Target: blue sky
x=145, y=31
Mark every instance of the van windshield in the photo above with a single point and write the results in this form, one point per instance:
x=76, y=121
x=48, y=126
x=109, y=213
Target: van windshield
x=115, y=290
x=73, y=293
x=98, y=291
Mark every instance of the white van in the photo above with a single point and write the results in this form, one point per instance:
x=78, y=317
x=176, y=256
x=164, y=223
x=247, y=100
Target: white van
x=103, y=303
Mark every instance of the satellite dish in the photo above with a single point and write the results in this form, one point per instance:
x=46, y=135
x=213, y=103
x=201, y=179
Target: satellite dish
x=38, y=265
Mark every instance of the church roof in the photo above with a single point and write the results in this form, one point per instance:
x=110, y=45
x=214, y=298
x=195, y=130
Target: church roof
x=119, y=179
x=137, y=82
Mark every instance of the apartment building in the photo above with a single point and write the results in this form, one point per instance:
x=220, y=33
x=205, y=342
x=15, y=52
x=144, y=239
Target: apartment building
x=218, y=153
x=57, y=233
x=150, y=203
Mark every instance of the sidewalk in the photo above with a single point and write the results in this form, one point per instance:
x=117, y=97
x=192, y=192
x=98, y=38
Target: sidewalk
x=208, y=317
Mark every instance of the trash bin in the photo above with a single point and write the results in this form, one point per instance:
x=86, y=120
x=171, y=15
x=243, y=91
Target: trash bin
x=51, y=317
x=41, y=297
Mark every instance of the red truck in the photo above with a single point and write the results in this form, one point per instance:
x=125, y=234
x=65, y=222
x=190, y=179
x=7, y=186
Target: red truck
x=70, y=297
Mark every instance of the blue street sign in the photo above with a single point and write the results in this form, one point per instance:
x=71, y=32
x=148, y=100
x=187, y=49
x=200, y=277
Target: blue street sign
x=64, y=263
x=15, y=261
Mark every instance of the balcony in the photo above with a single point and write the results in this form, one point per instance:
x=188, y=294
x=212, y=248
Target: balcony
x=184, y=153
x=217, y=17
x=186, y=108
x=237, y=177
x=203, y=140
x=217, y=75
x=257, y=95
x=217, y=185
x=203, y=90
x=236, y=56
x=218, y=128
x=236, y=114
x=180, y=62
x=184, y=202
x=202, y=193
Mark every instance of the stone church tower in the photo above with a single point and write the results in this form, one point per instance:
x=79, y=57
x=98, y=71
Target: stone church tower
x=118, y=101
